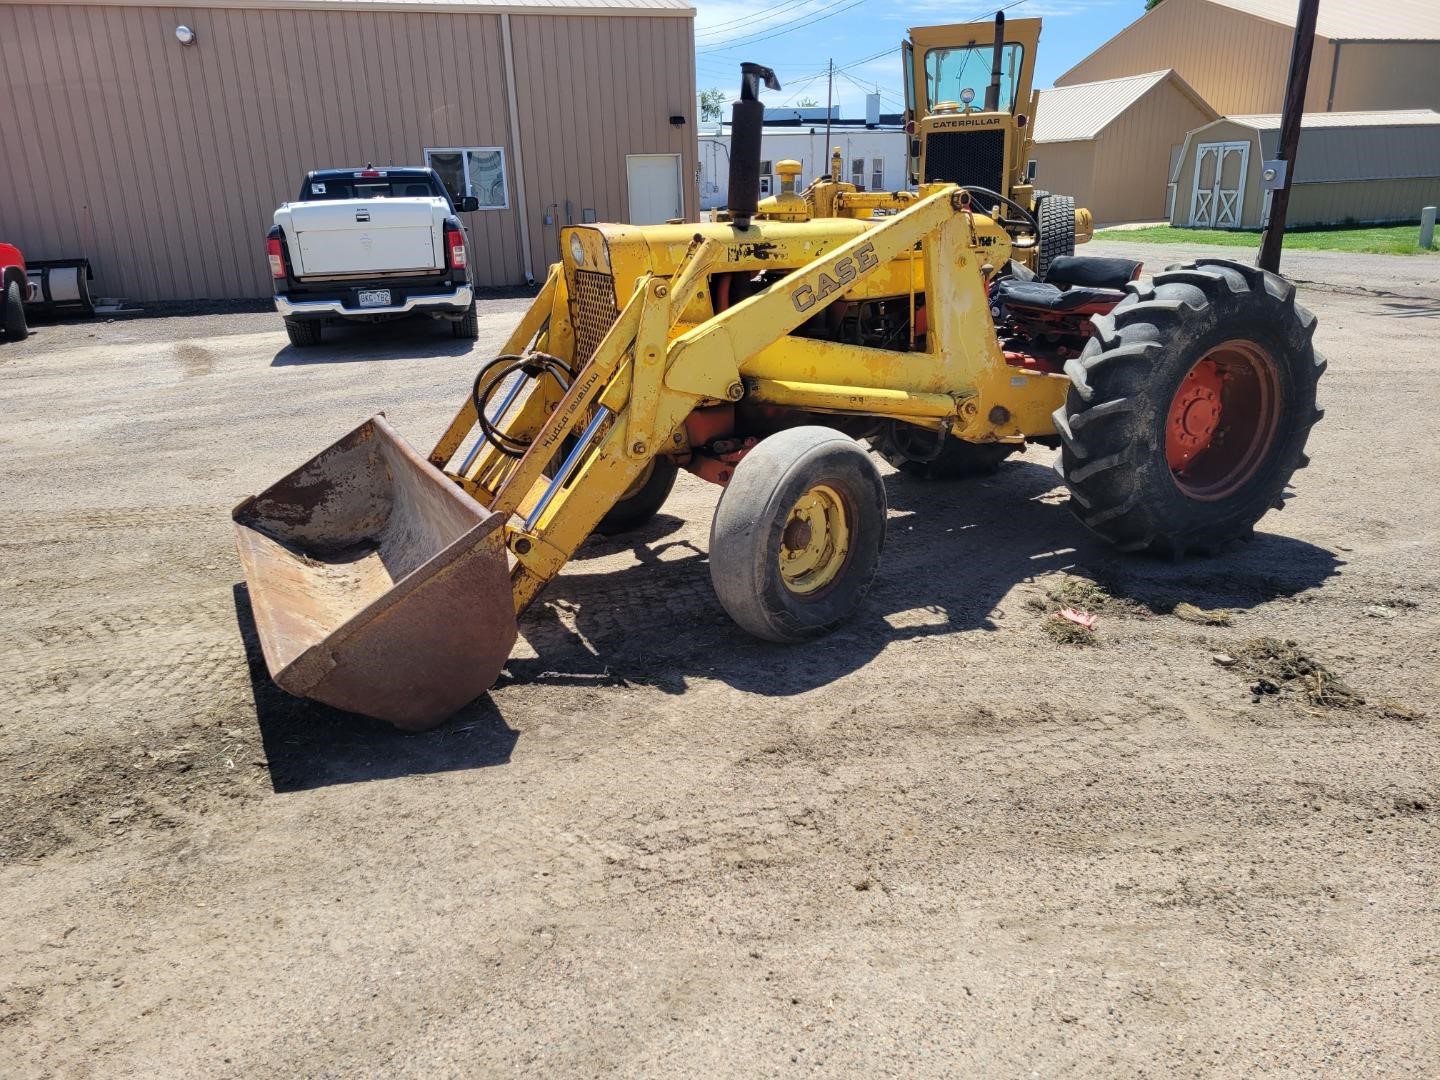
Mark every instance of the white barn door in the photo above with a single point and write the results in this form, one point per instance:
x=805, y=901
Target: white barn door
x=655, y=192
x=1217, y=199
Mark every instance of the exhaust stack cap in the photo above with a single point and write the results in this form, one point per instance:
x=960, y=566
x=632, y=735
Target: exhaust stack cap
x=747, y=122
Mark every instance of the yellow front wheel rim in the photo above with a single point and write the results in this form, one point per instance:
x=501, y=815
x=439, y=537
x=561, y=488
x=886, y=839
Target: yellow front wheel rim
x=815, y=541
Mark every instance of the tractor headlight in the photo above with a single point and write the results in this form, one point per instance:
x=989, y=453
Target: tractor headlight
x=577, y=250
x=966, y=96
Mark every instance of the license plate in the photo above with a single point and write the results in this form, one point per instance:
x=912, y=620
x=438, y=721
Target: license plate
x=374, y=297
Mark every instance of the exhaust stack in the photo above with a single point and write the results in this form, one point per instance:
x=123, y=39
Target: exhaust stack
x=747, y=122
x=992, y=92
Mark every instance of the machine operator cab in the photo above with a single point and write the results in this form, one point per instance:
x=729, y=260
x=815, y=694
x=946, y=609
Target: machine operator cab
x=969, y=104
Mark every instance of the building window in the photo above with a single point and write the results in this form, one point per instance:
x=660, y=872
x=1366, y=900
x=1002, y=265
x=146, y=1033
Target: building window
x=877, y=174
x=767, y=185
x=857, y=171
x=477, y=171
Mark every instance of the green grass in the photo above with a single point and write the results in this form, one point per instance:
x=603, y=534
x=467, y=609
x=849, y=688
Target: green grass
x=1381, y=240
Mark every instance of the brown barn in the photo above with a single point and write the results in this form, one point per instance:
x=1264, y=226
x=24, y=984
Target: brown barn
x=1236, y=53
x=162, y=161
x=1109, y=143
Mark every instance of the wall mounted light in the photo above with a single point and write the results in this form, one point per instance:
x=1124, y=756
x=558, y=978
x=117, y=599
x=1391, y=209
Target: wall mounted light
x=184, y=35
x=677, y=121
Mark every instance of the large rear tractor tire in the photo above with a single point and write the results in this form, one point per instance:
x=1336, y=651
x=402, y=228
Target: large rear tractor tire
x=304, y=332
x=1055, y=217
x=798, y=533
x=912, y=451
x=1189, y=408
x=642, y=500
x=12, y=318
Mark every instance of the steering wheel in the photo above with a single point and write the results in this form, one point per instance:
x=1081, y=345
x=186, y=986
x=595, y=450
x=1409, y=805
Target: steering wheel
x=1026, y=220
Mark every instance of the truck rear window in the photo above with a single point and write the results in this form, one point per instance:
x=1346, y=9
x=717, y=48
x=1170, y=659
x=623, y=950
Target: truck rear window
x=399, y=188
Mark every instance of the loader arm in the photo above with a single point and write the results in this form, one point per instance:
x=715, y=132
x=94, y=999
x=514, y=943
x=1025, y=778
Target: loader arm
x=631, y=400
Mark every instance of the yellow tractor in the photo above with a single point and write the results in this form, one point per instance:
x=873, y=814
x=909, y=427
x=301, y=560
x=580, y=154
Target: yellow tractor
x=756, y=353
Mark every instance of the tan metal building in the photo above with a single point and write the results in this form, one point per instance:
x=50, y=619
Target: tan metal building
x=1236, y=53
x=163, y=161
x=1109, y=143
x=1361, y=167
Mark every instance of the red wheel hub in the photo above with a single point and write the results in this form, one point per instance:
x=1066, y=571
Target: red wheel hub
x=1223, y=420
x=1194, y=414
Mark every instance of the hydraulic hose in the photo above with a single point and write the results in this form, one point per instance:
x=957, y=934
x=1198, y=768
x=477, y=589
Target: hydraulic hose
x=493, y=375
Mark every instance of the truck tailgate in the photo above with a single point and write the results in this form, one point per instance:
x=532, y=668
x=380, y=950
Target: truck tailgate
x=354, y=236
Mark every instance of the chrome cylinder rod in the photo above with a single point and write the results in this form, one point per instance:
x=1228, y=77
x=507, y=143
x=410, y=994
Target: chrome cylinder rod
x=495, y=416
x=567, y=467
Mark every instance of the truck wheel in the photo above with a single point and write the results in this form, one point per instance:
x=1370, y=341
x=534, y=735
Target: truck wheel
x=642, y=500
x=304, y=332
x=1189, y=408
x=14, y=313
x=906, y=447
x=467, y=326
x=797, y=536
x=1056, y=219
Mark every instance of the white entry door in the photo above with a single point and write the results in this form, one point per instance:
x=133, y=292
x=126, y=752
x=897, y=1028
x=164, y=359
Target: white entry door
x=1218, y=197
x=654, y=188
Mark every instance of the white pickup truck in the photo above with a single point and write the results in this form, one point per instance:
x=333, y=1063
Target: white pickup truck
x=369, y=245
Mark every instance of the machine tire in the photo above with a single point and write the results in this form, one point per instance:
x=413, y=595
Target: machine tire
x=467, y=326
x=13, y=322
x=1217, y=340
x=755, y=525
x=1055, y=216
x=956, y=460
x=304, y=332
x=643, y=500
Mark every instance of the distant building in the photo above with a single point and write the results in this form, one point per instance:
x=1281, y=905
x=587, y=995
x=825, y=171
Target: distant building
x=1112, y=129
x=1360, y=167
x=156, y=138
x=873, y=150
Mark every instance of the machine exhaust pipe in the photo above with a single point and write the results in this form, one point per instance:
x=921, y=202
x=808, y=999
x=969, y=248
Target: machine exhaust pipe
x=992, y=92
x=747, y=122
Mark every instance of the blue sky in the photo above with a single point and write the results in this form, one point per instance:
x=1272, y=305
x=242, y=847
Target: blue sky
x=796, y=37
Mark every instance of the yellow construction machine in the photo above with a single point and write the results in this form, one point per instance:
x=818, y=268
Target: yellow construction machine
x=757, y=353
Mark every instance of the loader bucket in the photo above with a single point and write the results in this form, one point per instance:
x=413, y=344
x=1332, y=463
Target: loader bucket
x=377, y=585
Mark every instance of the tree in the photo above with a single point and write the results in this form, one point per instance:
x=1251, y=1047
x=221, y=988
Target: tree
x=712, y=104
x=1150, y=4
x=807, y=103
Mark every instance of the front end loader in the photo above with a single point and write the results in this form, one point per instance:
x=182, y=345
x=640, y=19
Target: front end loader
x=760, y=354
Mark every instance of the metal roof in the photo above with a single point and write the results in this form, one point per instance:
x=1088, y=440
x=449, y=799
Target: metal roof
x=488, y=7
x=1394, y=118
x=1082, y=111
x=1354, y=20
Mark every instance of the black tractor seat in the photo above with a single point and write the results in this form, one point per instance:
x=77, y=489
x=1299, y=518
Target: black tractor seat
x=1074, y=284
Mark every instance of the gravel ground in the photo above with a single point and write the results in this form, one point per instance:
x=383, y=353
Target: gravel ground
x=934, y=843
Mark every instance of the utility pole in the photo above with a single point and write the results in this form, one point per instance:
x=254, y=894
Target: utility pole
x=829, y=109
x=1281, y=172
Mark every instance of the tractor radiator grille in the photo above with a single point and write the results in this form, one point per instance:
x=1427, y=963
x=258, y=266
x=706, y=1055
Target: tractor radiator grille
x=973, y=158
x=592, y=311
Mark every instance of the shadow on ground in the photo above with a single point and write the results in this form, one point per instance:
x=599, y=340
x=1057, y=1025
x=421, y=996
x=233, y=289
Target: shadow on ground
x=402, y=339
x=309, y=745
x=953, y=553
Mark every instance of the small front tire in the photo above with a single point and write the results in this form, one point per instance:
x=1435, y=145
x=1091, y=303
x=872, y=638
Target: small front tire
x=643, y=500
x=304, y=333
x=796, y=539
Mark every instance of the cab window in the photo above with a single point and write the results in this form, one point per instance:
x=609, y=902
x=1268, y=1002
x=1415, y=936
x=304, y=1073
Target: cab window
x=949, y=72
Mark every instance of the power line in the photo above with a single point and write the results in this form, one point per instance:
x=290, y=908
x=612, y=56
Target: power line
x=759, y=16
x=747, y=42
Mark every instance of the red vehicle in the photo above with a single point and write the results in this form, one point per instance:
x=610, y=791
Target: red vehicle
x=14, y=287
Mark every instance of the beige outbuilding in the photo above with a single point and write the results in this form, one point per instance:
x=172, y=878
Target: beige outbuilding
x=1236, y=53
x=156, y=139
x=1352, y=167
x=1111, y=143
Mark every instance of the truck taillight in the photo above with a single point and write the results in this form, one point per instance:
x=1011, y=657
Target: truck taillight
x=277, y=256
x=455, y=246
